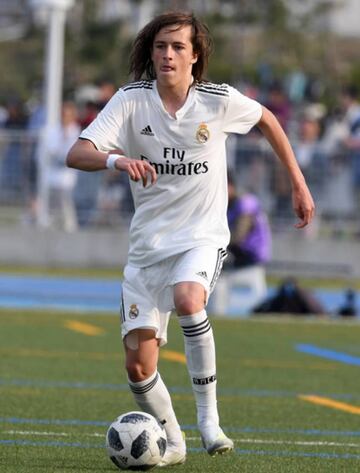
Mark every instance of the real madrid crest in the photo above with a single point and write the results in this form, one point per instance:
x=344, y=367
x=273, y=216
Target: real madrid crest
x=134, y=311
x=202, y=133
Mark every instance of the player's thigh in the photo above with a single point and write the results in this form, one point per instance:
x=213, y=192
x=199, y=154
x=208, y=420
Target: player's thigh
x=138, y=308
x=141, y=353
x=196, y=273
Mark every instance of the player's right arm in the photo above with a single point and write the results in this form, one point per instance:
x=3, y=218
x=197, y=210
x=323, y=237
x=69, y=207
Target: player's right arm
x=84, y=156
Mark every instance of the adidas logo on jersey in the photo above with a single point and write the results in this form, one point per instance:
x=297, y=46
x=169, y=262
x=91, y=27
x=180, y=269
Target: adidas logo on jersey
x=202, y=274
x=147, y=131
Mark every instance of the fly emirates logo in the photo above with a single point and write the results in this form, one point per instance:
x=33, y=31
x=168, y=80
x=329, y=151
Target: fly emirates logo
x=174, y=164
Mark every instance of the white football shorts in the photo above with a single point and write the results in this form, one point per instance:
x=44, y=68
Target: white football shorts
x=148, y=293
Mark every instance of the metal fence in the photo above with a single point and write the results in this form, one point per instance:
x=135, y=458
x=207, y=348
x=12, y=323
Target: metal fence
x=103, y=199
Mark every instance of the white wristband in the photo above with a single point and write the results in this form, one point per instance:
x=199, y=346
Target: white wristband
x=111, y=159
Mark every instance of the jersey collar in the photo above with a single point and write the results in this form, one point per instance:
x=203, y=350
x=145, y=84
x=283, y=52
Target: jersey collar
x=182, y=111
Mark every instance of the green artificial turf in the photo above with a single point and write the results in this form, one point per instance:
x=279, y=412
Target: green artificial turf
x=60, y=389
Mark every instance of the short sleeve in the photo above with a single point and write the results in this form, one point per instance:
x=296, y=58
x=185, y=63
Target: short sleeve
x=242, y=113
x=108, y=130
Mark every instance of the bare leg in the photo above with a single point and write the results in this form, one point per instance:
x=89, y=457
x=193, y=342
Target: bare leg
x=149, y=390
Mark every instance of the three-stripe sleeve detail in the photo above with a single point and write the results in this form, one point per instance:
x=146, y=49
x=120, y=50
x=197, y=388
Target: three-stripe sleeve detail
x=144, y=84
x=213, y=89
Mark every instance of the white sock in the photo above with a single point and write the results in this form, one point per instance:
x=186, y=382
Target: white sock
x=201, y=363
x=152, y=397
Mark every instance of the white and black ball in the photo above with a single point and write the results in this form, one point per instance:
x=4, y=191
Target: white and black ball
x=136, y=441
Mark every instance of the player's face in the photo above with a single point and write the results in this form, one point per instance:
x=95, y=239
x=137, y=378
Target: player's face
x=173, y=55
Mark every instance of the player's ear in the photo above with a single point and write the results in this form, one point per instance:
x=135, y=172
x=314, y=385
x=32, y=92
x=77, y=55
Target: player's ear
x=194, y=58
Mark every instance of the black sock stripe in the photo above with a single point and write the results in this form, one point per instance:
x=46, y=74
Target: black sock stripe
x=205, y=330
x=195, y=330
x=146, y=388
x=142, y=390
x=190, y=327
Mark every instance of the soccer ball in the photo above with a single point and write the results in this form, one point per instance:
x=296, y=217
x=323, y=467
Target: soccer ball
x=136, y=441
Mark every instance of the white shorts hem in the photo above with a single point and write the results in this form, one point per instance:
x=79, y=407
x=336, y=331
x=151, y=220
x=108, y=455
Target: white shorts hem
x=163, y=340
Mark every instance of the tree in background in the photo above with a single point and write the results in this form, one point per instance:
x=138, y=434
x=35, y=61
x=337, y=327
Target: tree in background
x=252, y=37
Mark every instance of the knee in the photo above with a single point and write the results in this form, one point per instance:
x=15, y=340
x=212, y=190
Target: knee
x=189, y=298
x=188, y=304
x=138, y=371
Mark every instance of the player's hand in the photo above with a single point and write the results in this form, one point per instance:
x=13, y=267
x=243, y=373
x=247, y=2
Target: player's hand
x=136, y=169
x=303, y=205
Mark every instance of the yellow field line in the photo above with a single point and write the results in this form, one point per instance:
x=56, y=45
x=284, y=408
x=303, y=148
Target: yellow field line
x=181, y=358
x=324, y=401
x=84, y=328
x=173, y=356
x=164, y=354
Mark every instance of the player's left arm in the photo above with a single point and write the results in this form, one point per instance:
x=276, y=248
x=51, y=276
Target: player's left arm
x=302, y=200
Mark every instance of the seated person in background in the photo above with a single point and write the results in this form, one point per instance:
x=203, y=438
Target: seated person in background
x=349, y=307
x=250, y=242
x=290, y=298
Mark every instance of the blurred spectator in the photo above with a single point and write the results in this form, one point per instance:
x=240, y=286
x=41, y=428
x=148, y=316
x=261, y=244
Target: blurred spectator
x=309, y=153
x=290, y=298
x=114, y=201
x=11, y=165
x=92, y=99
x=3, y=114
x=350, y=101
x=278, y=103
x=281, y=189
x=106, y=90
x=349, y=306
x=339, y=201
x=265, y=74
x=61, y=179
x=296, y=83
x=89, y=113
x=16, y=116
x=37, y=118
x=250, y=242
x=308, y=144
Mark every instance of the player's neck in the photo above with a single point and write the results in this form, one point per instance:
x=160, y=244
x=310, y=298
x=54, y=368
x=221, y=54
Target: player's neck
x=173, y=96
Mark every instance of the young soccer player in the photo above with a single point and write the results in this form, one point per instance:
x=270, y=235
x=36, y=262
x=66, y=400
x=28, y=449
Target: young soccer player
x=168, y=130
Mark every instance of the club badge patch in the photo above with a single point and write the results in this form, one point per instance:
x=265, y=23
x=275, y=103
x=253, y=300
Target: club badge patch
x=202, y=134
x=134, y=311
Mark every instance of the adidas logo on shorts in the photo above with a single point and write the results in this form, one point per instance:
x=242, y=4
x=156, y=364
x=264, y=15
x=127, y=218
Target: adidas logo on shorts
x=202, y=274
x=147, y=131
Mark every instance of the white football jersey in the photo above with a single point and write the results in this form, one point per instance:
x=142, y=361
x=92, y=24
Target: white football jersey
x=186, y=208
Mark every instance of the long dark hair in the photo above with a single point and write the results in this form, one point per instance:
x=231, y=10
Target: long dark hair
x=141, y=64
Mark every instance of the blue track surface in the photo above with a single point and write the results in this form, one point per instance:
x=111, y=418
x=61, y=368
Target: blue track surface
x=59, y=293
x=84, y=294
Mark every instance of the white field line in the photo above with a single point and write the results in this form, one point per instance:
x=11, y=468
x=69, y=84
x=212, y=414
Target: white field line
x=49, y=434
x=299, y=442
x=283, y=320
x=192, y=439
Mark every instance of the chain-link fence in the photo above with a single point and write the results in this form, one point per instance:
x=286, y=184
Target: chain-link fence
x=103, y=199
